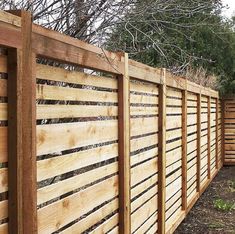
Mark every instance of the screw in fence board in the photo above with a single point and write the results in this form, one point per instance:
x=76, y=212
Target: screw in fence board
x=124, y=149
x=184, y=149
x=198, y=141
x=216, y=133
x=162, y=155
x=209, y=138
x=22, y=133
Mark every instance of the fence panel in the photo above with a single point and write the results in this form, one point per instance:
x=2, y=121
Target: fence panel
x=229, y=131
x=3, y=144
x=77, y=151
x=144, y=156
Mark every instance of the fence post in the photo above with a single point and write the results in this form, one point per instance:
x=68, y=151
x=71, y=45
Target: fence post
x=198, y=141
x=124, y=150
x=162, y=154
x=184, y=149
x=216, y=133
x=209, y=138
x=22, y=206
x=222, y=131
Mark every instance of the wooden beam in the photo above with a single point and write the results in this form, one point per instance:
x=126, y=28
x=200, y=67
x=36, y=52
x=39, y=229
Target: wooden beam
x=162, y=156
x=209, y=138
x=223, y=103
x=124, y=150
x=22, y=134
x=184, y=149
x=217, y=134
x=198, y=141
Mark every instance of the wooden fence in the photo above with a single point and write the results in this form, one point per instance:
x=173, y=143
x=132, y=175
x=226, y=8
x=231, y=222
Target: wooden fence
x=229, y=130
x=130, y=151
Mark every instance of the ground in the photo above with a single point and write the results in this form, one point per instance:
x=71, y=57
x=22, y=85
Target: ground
x=214, y=212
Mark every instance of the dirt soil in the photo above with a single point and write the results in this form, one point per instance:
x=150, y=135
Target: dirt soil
x=205, y=218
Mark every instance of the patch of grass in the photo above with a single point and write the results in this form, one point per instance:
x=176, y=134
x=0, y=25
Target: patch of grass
x=216, y=225
x=222, y=205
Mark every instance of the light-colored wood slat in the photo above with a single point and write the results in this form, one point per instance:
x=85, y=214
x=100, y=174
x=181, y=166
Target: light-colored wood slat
x=172, y=134
x=173, y=177
x=173, y=122
x=3, y=88
x=57, y=137
x=173, y=156
x=173, y=92
x=3, y=209
x=54, y=166
x=143, y=142
x=151, y=221
x=138, y=158
x=10, y=18
x=192, y=96
x=57, y=189
x=143, y=213
x=3, y=111
x=75, y=77
x=174, y=209
x=143, y=186
x=114, y=230
x=4, y=228
x=143, y=198
x=173, y=102
x=74, y=111
x=229, y=147
x=143, y=88
x=143, y=171
x=173, y=167
x=92, y=219
x=60, y=213
x=173, y=187
x=191, y=119
x=107, y=225
x=143, y=110
x=174, y=144
x=170, y=202
x=3, y=180
x=174, y=110
x=3, y=144
x=143, y=99
x=140, y=126
x=49, y=92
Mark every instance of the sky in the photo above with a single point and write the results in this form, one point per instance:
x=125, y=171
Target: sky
x=231, y=4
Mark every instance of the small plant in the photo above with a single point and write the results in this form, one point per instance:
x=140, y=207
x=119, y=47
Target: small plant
x=222, y=205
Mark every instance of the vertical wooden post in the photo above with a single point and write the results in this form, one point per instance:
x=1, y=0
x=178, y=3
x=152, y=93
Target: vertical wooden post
x=124, y=150
x=22, y=133
x=198, y=142
x=216, y=133
x=184, y=149
x=162, y=155
x=223, y=103
x=209, y=138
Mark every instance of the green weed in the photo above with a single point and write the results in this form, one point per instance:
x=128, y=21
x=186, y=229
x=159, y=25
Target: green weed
x=222, y=205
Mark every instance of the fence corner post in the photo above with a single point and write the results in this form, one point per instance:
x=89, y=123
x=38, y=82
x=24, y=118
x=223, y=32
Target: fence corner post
x=216, y=133
x=124, y=149
x=22, y=206
x=162, y=155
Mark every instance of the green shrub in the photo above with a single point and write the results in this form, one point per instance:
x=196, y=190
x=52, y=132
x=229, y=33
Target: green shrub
x=222, y=205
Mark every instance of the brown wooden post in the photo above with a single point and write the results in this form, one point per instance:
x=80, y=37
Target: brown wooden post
x=209, y=138
x=184, y=149
x=198, y=141
x=217, y=134
x=22, y=133
x=223, y=103
x=162, y=156
x=124, y=150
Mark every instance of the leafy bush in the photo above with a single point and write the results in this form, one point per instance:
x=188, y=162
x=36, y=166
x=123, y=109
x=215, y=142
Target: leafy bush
x=222, y=205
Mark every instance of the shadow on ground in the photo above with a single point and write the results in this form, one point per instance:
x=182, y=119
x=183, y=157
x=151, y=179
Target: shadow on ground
x=214, y=211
